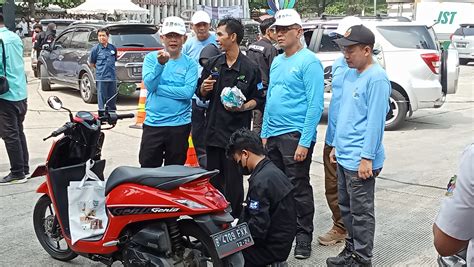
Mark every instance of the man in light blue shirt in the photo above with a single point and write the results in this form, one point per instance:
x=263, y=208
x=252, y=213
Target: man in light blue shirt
x=192, y=48
x=292, y=112
x=337, y=233
x=358, y=144
x=13, y=106
x=170, y=78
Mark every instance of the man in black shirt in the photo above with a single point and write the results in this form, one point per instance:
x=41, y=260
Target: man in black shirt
x=230, y=69
x=262, y=52
x=269, y=208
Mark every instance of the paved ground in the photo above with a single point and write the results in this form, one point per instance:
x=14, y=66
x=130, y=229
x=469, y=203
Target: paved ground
x=420, y=159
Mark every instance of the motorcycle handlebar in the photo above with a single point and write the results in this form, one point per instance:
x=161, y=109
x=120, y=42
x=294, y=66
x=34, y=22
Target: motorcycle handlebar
x=60, y=130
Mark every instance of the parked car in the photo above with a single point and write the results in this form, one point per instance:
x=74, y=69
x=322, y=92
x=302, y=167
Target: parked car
x=463, y=41
x=421, y=73
x=66, y=62
x=61, y=25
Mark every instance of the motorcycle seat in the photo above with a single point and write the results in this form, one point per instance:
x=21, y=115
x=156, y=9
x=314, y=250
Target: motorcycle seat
x=164, y=178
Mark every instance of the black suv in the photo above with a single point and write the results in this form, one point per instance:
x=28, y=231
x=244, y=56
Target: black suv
x=66, y=61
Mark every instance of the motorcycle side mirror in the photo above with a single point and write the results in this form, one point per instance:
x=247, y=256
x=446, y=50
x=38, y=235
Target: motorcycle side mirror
x=55, y=103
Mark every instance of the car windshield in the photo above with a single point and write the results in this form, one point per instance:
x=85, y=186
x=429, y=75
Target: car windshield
x=135, y=37
x=414, y=37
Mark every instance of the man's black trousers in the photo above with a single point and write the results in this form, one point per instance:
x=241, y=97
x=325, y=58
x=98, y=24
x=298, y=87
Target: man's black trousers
x=166, y=143
x=229, y=181
x=12, y=115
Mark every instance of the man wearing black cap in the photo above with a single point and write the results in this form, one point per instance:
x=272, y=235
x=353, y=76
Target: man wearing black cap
x=359, y=151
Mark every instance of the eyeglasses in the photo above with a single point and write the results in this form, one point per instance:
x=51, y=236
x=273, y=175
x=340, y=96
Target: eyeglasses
x=172, y=35
x=285, y=29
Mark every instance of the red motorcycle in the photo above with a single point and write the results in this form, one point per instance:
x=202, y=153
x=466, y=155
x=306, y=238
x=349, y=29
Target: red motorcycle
x=168, y=216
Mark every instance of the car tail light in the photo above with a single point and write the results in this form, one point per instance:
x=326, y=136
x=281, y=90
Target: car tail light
x=433, y=61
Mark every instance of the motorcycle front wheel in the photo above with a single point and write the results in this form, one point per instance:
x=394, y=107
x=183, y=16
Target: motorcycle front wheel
x=48, y=231
x=200, y=250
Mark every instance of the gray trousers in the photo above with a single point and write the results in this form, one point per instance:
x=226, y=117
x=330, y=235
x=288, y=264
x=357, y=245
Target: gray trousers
x=356, y=202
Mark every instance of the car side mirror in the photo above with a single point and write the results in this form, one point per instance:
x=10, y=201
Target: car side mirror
x=45, y=47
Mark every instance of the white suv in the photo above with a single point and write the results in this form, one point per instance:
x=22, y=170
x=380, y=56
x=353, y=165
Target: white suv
x=421, y=73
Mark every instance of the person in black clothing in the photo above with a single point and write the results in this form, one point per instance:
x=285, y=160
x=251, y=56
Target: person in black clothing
x=262, y=52
x=48, y=37
x=38, y=29
x=269, y=208
x=232, y=69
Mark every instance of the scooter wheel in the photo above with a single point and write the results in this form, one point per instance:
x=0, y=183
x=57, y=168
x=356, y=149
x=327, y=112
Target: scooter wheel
x=48, y=231
x=195, y=237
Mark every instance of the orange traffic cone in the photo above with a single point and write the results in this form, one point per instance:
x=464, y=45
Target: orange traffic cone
x=191, y=159
x=141, y=108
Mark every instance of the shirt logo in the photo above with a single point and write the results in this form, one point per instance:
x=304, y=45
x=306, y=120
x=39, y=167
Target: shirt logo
x=112, y=52
x=348, y=32
x=254, y=205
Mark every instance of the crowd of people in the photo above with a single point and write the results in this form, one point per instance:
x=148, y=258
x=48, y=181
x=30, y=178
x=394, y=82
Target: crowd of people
x=284, y=99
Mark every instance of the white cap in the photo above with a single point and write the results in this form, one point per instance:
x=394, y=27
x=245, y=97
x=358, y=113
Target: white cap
x=345, y=24
x=287, y=17
x=173, y=24
x=200, y=16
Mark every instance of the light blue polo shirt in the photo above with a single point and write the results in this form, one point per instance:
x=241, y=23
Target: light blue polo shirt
x=16, y=76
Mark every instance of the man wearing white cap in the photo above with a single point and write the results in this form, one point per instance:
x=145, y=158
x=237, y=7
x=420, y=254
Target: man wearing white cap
x=294, y=106
x=201, y=23
x=170, y=78
x=338, y=232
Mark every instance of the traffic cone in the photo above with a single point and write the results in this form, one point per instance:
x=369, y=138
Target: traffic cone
x=191, y=159
x=141, y=108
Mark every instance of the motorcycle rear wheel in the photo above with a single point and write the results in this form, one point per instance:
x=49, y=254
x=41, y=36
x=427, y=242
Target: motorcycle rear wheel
x=195, y=238
x=48, y=231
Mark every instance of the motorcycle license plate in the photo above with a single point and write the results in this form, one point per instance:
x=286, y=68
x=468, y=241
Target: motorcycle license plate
x=232, y=240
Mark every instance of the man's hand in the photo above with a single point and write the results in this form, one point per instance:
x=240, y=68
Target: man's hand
x=246, y=106
x=207, y=85
x=365, y=169
x=163, y=57
x=332, y=156
x=301, y=153
x=264, y=142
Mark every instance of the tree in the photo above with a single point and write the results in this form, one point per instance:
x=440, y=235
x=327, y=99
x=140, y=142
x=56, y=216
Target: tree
x=62, y=3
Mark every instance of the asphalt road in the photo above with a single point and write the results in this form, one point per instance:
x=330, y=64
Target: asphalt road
x=421, y=157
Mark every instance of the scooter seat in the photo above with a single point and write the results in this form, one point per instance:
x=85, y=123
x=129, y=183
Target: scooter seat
x=164, y=178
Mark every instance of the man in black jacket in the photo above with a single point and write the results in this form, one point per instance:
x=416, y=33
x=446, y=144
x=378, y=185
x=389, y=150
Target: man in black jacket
x=262, y=52
x=269, y=208
x=230, y=69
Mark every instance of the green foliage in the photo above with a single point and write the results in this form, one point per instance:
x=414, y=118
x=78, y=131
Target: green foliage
x=337, y=8
x=62, y=3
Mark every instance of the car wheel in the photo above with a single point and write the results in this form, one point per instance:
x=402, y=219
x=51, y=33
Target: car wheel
x=463, y=61
x=43, y=74
x=398, y=111
x=87, y=88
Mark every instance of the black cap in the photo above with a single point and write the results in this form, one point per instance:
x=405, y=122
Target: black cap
x=358, y=34
x=207, y=52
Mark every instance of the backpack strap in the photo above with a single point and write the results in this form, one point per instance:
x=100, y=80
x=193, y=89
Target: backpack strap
x=4, y=58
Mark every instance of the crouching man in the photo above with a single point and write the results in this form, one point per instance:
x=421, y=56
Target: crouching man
x=269, y=208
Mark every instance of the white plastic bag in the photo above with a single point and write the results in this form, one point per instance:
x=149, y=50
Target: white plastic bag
x=232, y=97
x=87, y=214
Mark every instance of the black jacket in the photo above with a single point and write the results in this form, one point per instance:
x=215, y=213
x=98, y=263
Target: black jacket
x=262, y=52
x=222, y=123
x=270, y=210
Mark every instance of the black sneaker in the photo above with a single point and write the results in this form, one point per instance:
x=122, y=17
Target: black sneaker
x=302, y=250
x=359, y=262
x=344, y=258
x=13, y=179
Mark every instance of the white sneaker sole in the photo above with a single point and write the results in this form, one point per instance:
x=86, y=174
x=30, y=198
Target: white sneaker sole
x=21, y=181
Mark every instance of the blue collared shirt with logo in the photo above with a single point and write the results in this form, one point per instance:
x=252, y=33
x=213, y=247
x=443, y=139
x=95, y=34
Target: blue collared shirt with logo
x=104, y=58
